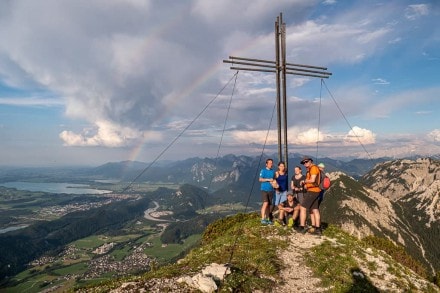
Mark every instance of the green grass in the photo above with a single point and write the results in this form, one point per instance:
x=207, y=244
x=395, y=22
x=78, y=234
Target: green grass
x=120, y=253
x=337, y=264
x=397, y=252
x=37, y=279
x=229, y=207
x=252, y=252
x=90, y=242
x=239, y=240
x=144, y=239
x=31, y=285
x=77, y=268
x=170, y=251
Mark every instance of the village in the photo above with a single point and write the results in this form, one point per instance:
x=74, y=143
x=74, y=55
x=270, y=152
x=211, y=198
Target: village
x=102, y=262
x=99, y=260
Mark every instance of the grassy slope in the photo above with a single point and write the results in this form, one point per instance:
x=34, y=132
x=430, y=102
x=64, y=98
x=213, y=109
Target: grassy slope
x=342, y=262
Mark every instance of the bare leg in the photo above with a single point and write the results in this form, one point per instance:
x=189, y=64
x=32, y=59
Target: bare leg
x=265, y=210
x=317, y=216
x=312, y=218
x=296, y=211
x=281, y=216
x=270, y=210
x=302, y=216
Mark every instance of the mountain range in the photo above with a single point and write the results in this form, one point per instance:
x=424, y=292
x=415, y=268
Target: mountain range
x=395, y=199
x=398, y=200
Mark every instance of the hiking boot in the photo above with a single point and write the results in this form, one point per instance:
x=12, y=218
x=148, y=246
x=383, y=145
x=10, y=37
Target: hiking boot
x=318, y=231
x=290, y=223
x=263, y=222
x=277, y=223
x=301, y=230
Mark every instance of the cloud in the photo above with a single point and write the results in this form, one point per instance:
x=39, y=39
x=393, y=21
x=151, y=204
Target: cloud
x=248, y=17
x=31, y=102
x=380, y=81
x=395, y=40
x=141, y=70
x=329, y=2
x=307, y=137
x=360, y=135
x=390, y=104
x=135, y=71
x=296, y=136
x=362, y=32
x=108, y=69
x=434, y=135
x=415, y=11
x=255, y=137
x=423, y=112
x=107, y=134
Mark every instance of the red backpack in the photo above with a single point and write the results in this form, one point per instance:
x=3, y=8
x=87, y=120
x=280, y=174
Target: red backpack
x=324, y=183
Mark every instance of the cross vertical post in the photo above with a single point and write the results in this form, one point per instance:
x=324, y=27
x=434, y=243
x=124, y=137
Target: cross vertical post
x=278, y=82
x=282, y=33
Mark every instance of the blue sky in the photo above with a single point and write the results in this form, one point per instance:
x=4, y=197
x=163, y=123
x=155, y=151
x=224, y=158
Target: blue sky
x=90, y=82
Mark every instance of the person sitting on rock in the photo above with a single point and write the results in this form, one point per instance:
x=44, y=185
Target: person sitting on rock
x=289, y=211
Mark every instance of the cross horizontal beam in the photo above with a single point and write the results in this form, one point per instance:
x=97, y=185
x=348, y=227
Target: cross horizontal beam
x=270, y=66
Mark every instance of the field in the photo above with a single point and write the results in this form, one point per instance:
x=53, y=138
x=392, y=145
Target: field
x=92, y=259
x=68, y=268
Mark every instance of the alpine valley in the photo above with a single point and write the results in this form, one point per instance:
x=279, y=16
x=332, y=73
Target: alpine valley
x=154, y=215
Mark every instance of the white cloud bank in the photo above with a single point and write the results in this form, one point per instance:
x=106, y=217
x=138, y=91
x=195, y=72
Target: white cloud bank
x=306, y=137
x=110, y=135
x=360, y=135
x=434, y=135
x=134, y=70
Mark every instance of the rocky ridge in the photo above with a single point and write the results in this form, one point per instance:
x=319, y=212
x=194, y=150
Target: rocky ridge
x=296, y=275
x=387, y=202
x=398, y=200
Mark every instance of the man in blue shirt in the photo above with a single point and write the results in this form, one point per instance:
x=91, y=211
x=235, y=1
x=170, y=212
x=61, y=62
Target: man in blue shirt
x=267, y=179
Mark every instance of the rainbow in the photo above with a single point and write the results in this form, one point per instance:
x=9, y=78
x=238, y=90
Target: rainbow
x=193, y=86
x=190, y=89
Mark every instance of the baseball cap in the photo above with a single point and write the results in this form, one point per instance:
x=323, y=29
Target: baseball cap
x=321, y=165
x=306, y=158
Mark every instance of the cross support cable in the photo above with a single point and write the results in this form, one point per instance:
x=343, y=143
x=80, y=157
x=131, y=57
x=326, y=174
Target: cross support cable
x=281, y=68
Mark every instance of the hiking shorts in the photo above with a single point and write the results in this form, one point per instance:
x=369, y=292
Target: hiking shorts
x=267, y=196
x=320, y=198
x=310, y=200
x=300, y=197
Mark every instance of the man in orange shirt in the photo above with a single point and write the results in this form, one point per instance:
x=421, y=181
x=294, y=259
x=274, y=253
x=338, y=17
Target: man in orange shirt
x=310, y=200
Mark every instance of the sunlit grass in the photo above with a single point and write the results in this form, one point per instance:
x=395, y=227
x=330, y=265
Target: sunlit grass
x=240, y=241
x=164, y=253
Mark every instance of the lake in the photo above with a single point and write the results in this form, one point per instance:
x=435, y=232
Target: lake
x=68, y=188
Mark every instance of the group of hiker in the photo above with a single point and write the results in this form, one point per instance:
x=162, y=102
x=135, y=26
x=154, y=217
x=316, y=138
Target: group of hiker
x=305, y=194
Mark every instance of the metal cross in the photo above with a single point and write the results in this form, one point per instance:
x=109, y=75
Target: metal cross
x=281, y=68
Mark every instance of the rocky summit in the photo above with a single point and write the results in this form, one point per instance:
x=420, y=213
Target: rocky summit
x=255, y=258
